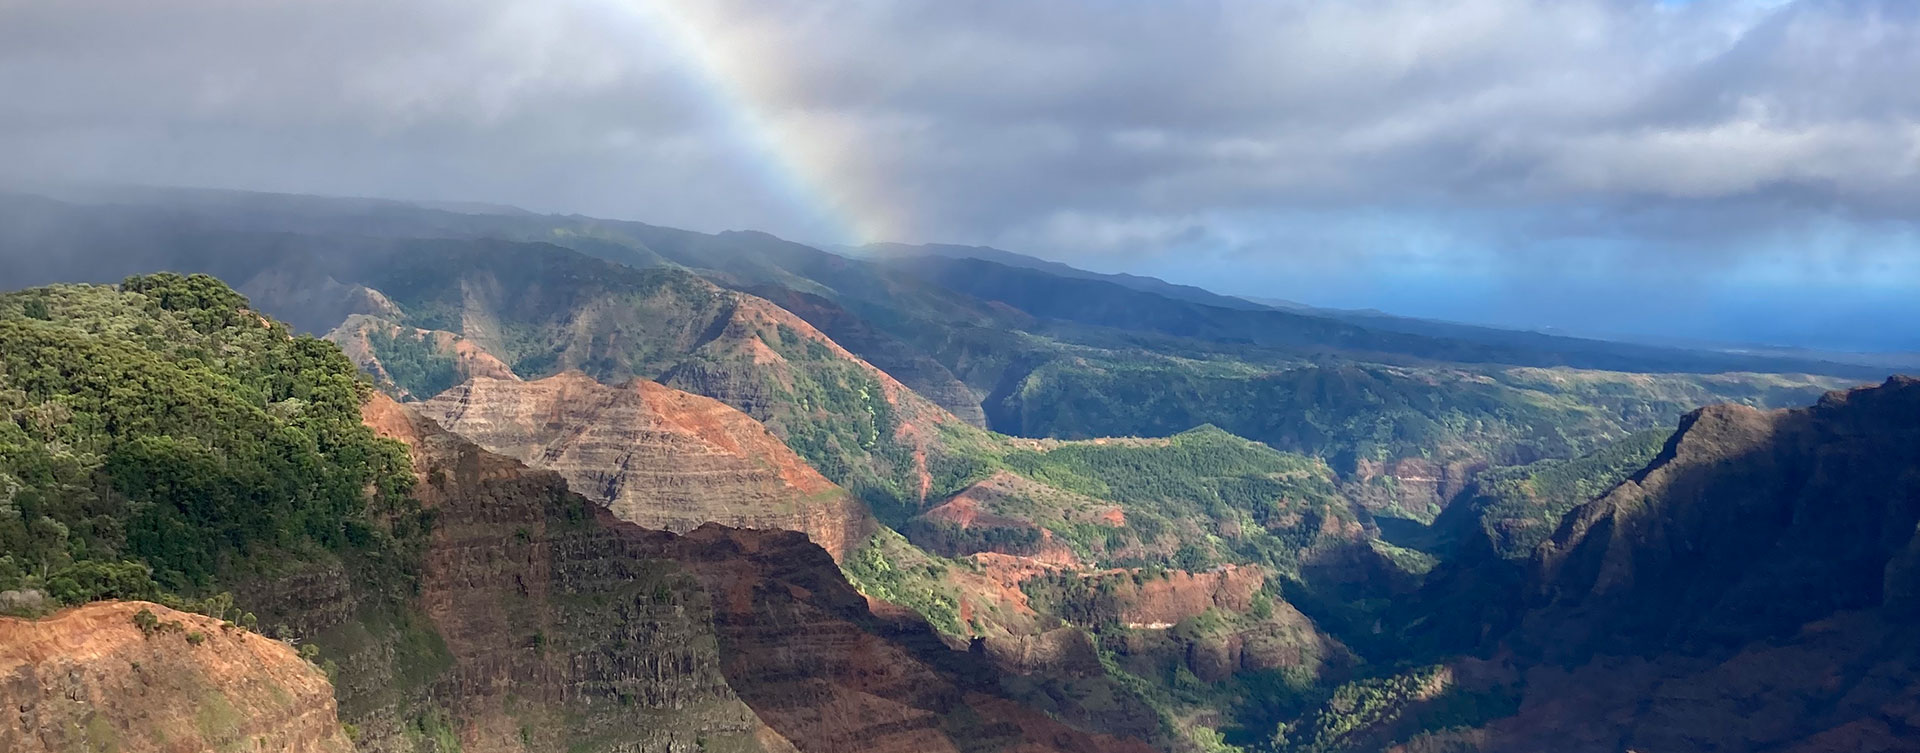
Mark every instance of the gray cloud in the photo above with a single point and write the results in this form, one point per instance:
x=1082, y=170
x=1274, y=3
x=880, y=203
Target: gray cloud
x=1488, y=134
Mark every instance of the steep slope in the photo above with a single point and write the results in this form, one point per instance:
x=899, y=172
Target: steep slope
x=469, y=603
x=410, y=362
x=1033, y=352
x=855, y=423
x=1510, y=510
x=1757, y=522
x=562, y=630
x=544, y=310
x=1763, y=567
x=1751, y=589
x=96, y=678
x=657, y=457
x=919, y=371
x=308, y=299
x=615, y=620
x=1408, y=438
x=163, y=440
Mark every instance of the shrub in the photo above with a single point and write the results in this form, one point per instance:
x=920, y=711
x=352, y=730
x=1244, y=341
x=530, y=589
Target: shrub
x=146, y=621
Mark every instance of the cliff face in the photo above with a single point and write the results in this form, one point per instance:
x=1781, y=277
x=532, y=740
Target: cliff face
x=802, y=647
x=91, y=679
x=545, y=311
x=565, y=629
x=568, y=627
x=1749, y=590
x=865, y=428
x=1749, y=524
x=656, y=456
x=1418, y=486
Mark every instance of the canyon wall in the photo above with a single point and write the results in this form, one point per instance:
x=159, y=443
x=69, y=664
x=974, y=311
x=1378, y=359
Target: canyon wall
x=656, y=456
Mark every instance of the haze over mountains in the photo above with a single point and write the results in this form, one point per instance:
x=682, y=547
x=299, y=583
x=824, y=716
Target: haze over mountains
x=733, y=376
x=1035, y=506
x=1532, y=165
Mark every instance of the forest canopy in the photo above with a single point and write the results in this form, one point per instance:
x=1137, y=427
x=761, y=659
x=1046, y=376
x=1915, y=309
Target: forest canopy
x=159, y=436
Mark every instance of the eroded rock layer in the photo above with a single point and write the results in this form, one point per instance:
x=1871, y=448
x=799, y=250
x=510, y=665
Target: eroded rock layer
x=566, y=629
x=656, y=456
x=566, y=624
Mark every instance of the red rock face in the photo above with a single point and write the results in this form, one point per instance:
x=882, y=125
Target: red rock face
x=804, y=650
x=750, y=636
x=656, y=456
x=566, y=627
x=90, y=679
x=1179, y=594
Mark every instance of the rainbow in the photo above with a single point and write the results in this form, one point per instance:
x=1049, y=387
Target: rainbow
x=801, y=166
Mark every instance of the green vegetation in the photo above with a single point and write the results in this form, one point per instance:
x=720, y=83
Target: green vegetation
x=943, y=536
x=1375, y=713
x=887, y=567
x=1518, y=507
x=830, y=410
x=1354, y=413
x=1192, y=501
x=549, y=309
x=1349, y=414
x=413, y=363
x=434, y=729
x=1092, y=602
x=159, y=437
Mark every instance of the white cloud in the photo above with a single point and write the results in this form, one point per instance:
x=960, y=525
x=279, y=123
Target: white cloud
x=1053, y=124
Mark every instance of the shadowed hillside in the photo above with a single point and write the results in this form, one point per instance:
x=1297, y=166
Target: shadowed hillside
x=1751, y=589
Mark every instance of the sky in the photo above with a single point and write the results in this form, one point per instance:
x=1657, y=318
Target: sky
x=1740, y=170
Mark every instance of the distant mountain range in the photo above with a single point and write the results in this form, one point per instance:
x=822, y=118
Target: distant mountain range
x=1037, y=508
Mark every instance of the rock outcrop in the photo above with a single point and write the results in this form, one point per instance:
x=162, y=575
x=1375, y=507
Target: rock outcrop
x=656, y=456
x=93, y=678
x=568, y=626
x=564, y=628
x=1750, y=524
x=803, y=649
x=1749, y=590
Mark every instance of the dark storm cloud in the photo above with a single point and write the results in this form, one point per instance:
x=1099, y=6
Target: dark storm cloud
x=1360, y=131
